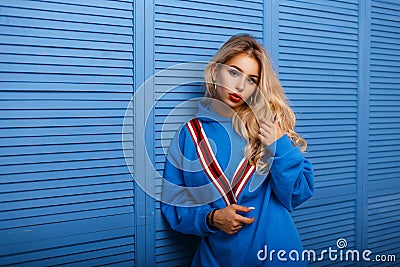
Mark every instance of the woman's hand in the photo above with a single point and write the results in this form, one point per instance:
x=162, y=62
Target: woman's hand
x=228, y=221
x=269, y=131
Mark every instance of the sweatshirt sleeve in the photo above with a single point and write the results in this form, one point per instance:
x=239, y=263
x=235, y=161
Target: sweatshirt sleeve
x=291, y=174
x=178, y=205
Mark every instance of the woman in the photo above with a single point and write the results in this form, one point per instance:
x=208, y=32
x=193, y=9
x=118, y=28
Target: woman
x=235, y=171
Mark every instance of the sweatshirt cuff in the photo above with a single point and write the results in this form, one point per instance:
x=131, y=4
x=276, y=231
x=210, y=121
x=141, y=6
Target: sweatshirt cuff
x=203, y=217
x=281, y=146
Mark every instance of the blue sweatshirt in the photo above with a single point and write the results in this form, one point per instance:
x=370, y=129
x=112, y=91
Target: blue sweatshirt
x=189, y=196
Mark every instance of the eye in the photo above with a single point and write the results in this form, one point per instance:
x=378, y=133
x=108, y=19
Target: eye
x=250, y=81
x=233, y=72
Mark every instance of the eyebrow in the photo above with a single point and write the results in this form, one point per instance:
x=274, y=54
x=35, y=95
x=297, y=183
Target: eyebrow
x=239, y=69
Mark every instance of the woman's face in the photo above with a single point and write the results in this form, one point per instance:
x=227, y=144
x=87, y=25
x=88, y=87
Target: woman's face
x=236, y=80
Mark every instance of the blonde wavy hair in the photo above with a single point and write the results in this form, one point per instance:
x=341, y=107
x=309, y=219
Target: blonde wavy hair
x=268, y=101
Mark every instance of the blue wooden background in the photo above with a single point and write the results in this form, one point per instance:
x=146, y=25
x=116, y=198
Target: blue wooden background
x=74, y=120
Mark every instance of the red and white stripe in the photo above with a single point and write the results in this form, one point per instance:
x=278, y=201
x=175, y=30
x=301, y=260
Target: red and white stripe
x=210, y=165
x=243, y=179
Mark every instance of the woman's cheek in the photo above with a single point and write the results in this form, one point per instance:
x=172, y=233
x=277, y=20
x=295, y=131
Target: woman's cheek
x=226, y=82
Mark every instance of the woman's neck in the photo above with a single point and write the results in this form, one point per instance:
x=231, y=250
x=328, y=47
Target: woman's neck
x=222, y=109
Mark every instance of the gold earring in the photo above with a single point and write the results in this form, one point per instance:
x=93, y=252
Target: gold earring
x=215, y=90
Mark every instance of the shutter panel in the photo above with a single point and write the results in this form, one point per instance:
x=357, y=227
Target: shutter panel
x=318, y=43
x=66, y=80
x=188, y=31
x=384, y=130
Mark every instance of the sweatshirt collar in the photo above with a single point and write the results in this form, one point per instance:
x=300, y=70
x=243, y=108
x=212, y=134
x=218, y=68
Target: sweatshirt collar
x=205, y=112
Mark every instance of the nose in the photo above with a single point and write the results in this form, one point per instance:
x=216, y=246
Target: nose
x=240, y=83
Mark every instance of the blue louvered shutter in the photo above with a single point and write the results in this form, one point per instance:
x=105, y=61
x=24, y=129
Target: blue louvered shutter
x=66, y=194
x=187, y=31
x=317, y=58
x=384, y=130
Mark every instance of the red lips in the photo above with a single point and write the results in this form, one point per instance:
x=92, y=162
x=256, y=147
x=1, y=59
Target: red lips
x=235, y=97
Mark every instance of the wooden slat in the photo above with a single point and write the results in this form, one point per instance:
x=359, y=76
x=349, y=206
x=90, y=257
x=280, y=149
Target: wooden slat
x=383, y=161
x=67, y=197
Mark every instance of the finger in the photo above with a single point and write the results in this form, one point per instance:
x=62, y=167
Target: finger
x=238, y=224
x=267, y=127
x=263, y=132
x=245, y=220
x=267, y=132
x=270, y=127
x=266, y=139
x=277, y=125
x=278, y=128
x=266, y=122
x=237, y=228
x=262, y=139
x=241, y=208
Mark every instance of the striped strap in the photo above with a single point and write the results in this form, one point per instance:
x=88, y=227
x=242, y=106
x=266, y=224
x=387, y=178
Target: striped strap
x=242, y=176
x=212, y=168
